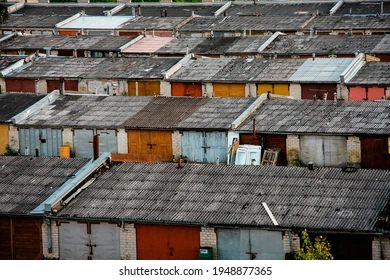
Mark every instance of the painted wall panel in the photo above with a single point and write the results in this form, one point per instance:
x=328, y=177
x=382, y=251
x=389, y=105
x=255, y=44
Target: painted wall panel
x=186, y=89
x=357, y=93
x=5, y=238
x=145, y=88
x=41, y=142
x=375, y=152
x=324, y=151
x=229, y=90
x=4, y=137
x=376, y=93
x=264, y=88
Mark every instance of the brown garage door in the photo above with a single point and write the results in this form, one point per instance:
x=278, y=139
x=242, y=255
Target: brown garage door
x=157, y=143
x=318, y=90
x=269, y=142
x=14, y=85
x=187, y=89
x=145, y=88
x=163, y=242
x=21, y=238
x=375, y=153
x=70, y=85
x=229, y=90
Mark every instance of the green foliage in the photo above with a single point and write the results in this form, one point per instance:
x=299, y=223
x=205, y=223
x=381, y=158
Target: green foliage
x=319, y=250
x=63, y=1
x=4, y=15
x=9, y=151
x=102, y=1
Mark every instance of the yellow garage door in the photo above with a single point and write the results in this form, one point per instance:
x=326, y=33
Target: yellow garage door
x=145, y=88
x=229, y=90
x=280, y=89
x=4, y=138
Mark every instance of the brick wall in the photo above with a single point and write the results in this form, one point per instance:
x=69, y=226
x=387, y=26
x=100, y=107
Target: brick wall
x=176, y=144
x=292, y=147
x=208, y=238
x=291, y=242
x=67, y=138
x=13, y=135
x=354, y=151
x=128, y=242
x=122, y=141
x=55, y=254
x=376, y=248
x=165, y=88
x=296, y=91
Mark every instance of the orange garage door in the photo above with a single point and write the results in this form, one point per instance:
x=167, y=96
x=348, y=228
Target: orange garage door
x=165, y=242
x=187, y=89
x=157, y=143
x=145, y=88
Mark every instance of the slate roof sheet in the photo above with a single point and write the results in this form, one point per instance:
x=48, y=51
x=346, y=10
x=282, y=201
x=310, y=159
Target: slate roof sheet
x=25, y=182
x=95, y=68
x=321, y=70
x=285, y=116
x=323, y=45
x=87, y=111
x=383, y=46
x=35, y=42
x=217, y=113
x=326, y=198
x=372, y=73
x=165, y=112
x=280, y=70
x=173, y=9
x=12, y=104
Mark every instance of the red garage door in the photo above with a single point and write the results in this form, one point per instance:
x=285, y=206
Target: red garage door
x=14, y=85
x=161, y=242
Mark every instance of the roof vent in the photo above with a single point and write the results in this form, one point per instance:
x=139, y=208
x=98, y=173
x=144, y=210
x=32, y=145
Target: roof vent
x=310, y=165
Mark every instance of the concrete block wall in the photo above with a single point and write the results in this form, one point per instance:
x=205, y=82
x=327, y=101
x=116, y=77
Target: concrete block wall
x=296, y=91
x=128, y=242
x=2, y=84
x=376, y=248
x=387, y=93
x=176, y=144
x=291, y=242
x=122, y=141
x=342, y=91
x=41, y=86
x=123, y=88
x=165, y=88
x=67, y=138
x=55, y=253
x=208, y=89
x=54, y=53
x=13, y=135
x=354, y=150
x=83, y=86
x=208, y=238
x=250, y=90
x=292, y=147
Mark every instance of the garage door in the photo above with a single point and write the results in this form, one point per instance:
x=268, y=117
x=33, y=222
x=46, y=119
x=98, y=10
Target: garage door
x=280, y=89
x=41, y=142
x=83, y=143
x=20, y=238
x=145, y=88
x=375, y=152
x=163, y=242
x=205, y=146
x=318, y=90
x=83, y=241
x=4, y=137
x=229, y=90
x=245, y=244
x=55, y=84
x=187, y=89
x=13, y=85
x=324, y=151
x=157, y=143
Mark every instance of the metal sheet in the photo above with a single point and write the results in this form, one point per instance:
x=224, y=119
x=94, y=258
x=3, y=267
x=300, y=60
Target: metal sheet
x=106, y=238
x=46, y=141
x=107, y=141
x=83, y=143
x=73, y=237
x=191, y=146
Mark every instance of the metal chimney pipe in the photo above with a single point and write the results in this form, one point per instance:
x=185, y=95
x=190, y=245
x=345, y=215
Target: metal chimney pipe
x=179, y=165
x=254, y=128
x=335, y=98
x=96, y=151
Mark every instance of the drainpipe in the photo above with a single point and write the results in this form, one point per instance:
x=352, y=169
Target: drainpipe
x=136, y=88
x=49, y=241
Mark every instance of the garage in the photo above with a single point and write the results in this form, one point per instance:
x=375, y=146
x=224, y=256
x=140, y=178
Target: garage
x=16, y=85
x=153, y=142
x=229, y=90
x=167, y=242
x=20, y=238
x=186, y=89
x=145, y=88
x=40, y=141
x=317, y=91
x=89, y=240
x=250, y=244
x=279, y=89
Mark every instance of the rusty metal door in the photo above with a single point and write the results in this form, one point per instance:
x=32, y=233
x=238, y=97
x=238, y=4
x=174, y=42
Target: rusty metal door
x=167, y=242
x=145, y=88
x=83, y=241
x=250, y=244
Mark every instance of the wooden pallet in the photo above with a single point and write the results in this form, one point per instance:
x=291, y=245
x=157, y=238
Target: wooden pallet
x=270, y=157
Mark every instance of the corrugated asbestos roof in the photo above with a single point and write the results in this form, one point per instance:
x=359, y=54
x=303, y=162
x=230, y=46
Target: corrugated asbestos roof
x=286, y=116
x=25, y=182
x=56, y=42
x=6, y=61
x=148, y=45
x=12, y=104
x=326, y=198
x=372, y=73
x=95, y=68
x=383, y=45
x=321, y=70
x=329, y=23
x=69, y=9
x=217, y=113
x=363, y=7
x=173, y=9
x=33, y=21
x=323, y=45
x=150, y=23
x=88, y=111
x=165, y=112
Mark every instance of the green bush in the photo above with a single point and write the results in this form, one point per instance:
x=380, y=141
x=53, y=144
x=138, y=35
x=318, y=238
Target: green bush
x=317, y=250
x=9, y=151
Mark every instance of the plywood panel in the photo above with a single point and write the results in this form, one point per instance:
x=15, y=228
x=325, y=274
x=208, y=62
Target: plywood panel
x=229, y=90
x=14, y=85
x=145, y=88
x=163, y=242
x=187, y=89
x=4, y=137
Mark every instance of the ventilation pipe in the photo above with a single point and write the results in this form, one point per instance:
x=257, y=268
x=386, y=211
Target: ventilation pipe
x=310, y=165
x=136, y=88
x=217, y=161
x=314, y=57
x=325, y=96
x=179, y=164
x=139, y=10
x=49, y=241
x=96, y=147
x=335, y=98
